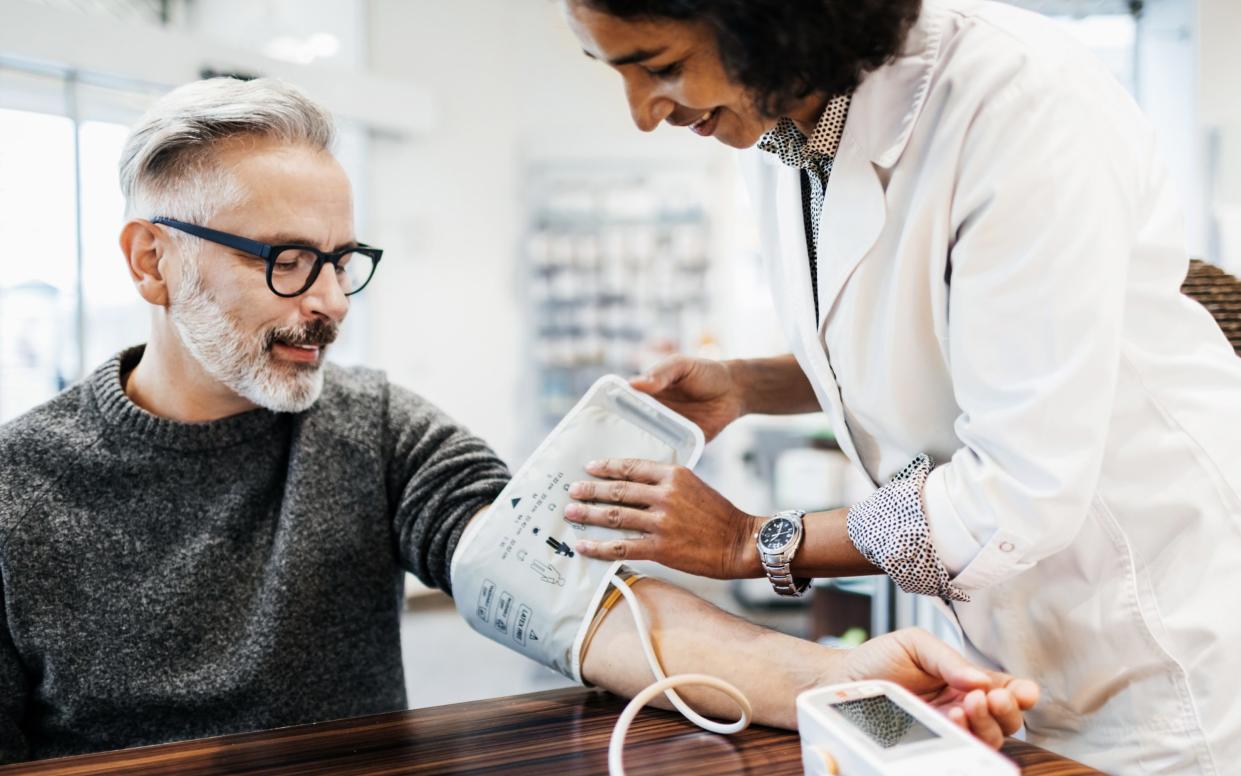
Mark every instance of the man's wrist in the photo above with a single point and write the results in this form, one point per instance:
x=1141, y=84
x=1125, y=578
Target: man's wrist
x=832, y=668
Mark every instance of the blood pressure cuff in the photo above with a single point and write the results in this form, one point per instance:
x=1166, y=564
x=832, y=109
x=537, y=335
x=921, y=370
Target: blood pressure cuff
x=515, y=575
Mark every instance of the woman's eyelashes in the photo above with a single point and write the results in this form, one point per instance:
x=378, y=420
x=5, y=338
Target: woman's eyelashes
x=667, y=71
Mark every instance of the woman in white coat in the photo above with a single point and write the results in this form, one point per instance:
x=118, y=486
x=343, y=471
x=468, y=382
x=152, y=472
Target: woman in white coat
x=976, y=255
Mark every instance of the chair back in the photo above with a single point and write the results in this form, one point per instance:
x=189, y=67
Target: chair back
x=1220, y=293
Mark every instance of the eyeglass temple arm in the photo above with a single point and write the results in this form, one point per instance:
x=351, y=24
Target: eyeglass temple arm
x=252, y=247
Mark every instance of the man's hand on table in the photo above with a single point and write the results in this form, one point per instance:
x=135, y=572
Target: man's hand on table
x=989, y=704
x=692, y=636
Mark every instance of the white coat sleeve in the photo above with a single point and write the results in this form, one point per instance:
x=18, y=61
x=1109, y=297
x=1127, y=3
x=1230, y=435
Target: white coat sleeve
x=1044, y=218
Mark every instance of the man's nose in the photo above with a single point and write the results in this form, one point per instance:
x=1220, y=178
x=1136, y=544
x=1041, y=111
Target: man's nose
x=647, y=107
x=326, y=296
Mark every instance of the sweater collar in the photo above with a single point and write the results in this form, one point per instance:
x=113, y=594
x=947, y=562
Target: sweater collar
x=123, y=416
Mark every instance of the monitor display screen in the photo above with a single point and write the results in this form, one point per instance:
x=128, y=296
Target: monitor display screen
x=884, y=722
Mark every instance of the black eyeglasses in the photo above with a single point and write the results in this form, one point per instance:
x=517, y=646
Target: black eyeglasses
x=291, y=269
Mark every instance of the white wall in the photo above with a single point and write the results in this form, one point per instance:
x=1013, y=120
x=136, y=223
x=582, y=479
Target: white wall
x=509, y=85
x=1167, y=69
x=1219, y=26
x=264, y=26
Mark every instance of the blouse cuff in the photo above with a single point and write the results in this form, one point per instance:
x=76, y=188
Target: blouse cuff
x=891, y=531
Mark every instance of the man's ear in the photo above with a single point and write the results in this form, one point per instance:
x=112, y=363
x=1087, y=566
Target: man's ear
x=143, y=245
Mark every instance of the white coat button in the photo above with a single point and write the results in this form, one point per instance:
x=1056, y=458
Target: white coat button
x=1006, y=546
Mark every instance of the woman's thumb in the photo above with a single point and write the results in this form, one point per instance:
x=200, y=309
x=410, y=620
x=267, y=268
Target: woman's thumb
x=661, y=375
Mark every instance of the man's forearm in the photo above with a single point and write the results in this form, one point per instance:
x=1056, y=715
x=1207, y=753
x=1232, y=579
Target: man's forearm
x=692, y=636
x=774, y=386
x=771, y=669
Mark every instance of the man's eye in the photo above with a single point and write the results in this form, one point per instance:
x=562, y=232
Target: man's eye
x=286, y=265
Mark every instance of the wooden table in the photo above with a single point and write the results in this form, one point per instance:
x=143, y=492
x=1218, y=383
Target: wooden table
x=560, y=732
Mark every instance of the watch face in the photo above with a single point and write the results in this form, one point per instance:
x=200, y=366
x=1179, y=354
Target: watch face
x=776, y=533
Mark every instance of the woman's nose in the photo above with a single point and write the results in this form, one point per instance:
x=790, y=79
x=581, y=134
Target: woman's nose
x=647, y=107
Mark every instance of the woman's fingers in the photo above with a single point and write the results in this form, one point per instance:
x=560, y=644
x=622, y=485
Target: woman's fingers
x=616, y=492
x=665, y=373
x=631, y=469
x=611, y=516
x=685, y=524
x=640, y=548
x=629, y=481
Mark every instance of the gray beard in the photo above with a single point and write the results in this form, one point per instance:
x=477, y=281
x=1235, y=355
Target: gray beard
x=242, y=362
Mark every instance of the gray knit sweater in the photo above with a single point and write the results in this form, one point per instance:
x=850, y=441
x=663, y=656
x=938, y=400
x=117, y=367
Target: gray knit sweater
x=165, y=580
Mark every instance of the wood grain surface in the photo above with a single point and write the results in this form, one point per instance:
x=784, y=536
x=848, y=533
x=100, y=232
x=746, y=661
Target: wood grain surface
x=559, y=732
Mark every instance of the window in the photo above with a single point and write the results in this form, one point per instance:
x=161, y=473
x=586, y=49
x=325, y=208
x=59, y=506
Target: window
x=65, y=300
x=116, y=318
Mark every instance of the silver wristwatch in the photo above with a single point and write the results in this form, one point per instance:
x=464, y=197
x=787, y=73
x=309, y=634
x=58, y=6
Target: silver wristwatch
x=778, y=539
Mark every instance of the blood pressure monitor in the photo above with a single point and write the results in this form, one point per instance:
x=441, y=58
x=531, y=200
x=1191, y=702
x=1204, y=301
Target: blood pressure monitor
x=876, y=728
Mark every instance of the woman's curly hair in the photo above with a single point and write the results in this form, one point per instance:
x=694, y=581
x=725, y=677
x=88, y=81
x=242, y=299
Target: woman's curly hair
x=786, y=50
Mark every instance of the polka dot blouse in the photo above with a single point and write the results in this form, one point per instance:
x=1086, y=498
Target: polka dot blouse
x=891, y=531
x=814, y=156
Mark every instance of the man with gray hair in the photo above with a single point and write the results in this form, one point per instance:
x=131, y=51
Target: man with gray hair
x=209, y=533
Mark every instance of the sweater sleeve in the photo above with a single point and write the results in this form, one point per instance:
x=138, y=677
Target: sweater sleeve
x=438, y=476
x=14, y=691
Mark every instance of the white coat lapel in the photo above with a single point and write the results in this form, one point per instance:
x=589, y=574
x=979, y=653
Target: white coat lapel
x=882, y=115
x=794, y=260
x=798, y=312
x=881, y=118
x=853, y=216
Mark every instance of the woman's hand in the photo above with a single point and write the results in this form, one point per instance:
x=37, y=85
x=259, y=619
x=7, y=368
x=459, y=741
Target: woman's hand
x=702, y=390
x=989, y=704
x=684, y=523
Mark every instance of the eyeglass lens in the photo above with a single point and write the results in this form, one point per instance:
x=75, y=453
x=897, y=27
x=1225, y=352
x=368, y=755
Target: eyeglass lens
x=291, y=268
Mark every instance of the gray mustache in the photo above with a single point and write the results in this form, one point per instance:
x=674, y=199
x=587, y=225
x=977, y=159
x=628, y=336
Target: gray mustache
x=317, y=334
